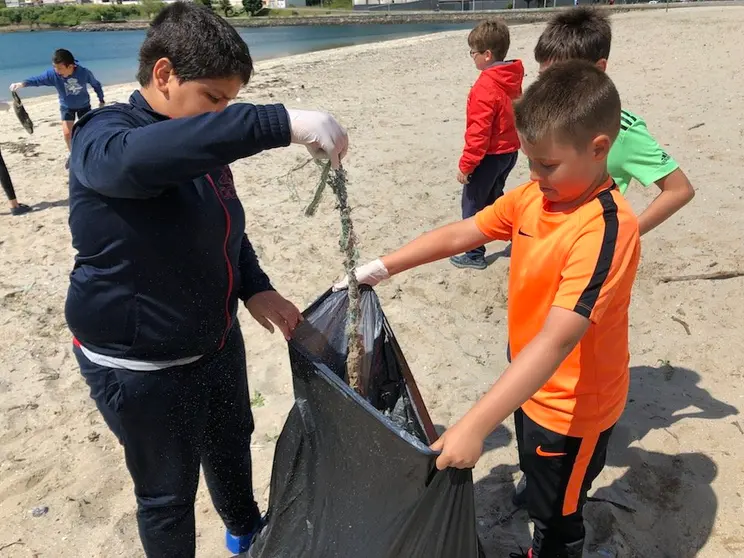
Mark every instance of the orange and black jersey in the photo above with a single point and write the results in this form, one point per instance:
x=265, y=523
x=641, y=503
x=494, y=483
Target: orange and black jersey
x=584, y=260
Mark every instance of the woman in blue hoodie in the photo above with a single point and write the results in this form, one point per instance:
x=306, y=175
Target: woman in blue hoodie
x=71, y=81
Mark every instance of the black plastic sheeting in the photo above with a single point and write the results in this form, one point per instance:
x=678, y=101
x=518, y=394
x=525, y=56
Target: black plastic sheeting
x=354, y=477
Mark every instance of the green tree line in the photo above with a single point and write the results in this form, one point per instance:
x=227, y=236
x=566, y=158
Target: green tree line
x=56, y=15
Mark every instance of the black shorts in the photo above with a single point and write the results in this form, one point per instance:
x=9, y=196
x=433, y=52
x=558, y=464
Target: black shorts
x=559, y=471
x=71, y=115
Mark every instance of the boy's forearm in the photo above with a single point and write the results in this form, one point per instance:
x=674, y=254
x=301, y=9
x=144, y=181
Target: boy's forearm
x=468, y=165
x=253, y=278
x=676, y=192
x=121, y=161
x=477, y=137
x=662, y=208
x=472, y=155
x=97, y=87
x=527, y=373
x=37, y=81
x=438, y=244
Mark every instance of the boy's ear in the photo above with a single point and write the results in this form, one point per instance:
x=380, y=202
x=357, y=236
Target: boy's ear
x=601, y=147
x=161, y=73
x=602, y=64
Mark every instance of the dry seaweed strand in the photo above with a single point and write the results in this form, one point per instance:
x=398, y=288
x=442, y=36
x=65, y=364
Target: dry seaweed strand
x=715, y=276
x=337, y=180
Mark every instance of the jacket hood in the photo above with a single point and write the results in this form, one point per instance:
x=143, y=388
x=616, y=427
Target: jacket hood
x=508, y=76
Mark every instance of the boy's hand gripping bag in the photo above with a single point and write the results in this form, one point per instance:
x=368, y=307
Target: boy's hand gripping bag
x=353, y=476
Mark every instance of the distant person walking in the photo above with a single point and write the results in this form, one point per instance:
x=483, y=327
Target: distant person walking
x=7, y=184
x=71, y=81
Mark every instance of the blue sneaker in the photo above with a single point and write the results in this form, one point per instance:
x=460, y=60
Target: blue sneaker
x=239, y=544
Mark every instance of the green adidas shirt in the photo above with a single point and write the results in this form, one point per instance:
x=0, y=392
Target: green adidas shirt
x=636, y=154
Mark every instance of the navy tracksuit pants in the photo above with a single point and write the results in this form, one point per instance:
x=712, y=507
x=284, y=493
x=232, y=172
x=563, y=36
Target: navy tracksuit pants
x=172, y=421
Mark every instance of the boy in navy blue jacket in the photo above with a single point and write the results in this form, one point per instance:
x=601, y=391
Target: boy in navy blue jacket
x=162, y=260
x=71, y=81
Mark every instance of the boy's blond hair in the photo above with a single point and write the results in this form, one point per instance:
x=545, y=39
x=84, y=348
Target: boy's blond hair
x=491, y=35
x=571, y=102
x=581, y=33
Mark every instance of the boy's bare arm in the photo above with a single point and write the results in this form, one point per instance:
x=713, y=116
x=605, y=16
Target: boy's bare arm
x=493, y=223
x=429, y=247
x=462, y=444
x=676, y=192
x=438, y=244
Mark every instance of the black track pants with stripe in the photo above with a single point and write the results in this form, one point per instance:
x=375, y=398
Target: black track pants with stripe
x=559, y=471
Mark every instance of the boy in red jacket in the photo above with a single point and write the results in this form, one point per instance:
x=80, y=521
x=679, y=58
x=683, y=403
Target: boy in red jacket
x=491, y=142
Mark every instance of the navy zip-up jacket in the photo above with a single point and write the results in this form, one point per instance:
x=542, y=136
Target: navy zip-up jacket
x=162, y=256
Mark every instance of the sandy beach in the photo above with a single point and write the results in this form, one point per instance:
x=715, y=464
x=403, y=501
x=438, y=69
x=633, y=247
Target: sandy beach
x=674, y=482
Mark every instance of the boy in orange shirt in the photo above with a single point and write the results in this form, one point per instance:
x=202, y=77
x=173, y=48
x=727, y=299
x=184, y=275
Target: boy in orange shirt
x=574, y=259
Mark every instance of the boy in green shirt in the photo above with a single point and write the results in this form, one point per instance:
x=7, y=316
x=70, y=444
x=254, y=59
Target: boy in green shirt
x=585, y=33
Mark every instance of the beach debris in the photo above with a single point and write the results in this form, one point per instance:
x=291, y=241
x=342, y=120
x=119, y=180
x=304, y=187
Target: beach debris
x=22, y=147
x=716, y=276
x=319, y=189
x=93, y=436
x=21, y=113
x=19, y=542
x=26, y=406
x=683, y=323
x=700, y=125
x=40, y=511
x=666, y=367
x=336, y=179
x=738, y=426
x=618, y=505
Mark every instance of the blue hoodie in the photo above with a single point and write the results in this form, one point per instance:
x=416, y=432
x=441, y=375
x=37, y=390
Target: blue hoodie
x=162, y=256
x=73, y=90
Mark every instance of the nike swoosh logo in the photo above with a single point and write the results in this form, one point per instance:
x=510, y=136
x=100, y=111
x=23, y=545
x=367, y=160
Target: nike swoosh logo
x=522, y=233
x=539, y=451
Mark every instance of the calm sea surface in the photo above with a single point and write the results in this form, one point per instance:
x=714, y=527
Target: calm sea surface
x=112, y=55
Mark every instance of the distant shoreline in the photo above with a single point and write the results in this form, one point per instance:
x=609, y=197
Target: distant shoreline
x=368, y=18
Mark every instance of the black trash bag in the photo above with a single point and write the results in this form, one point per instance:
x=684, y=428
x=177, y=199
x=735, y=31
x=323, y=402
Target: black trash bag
x=354, y=477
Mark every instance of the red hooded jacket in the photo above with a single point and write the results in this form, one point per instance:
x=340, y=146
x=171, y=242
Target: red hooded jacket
x=490, y=115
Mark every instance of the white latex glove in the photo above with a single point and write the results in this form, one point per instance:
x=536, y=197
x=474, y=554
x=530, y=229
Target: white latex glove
x=16, y=86
x=368, y=274
x=323, y=136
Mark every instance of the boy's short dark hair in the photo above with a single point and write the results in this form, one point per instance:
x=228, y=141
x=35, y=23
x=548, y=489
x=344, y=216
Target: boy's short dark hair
x=491, y=35
x=198, y=43
x=571, y=102
x=63, y=56
x=580, y=33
